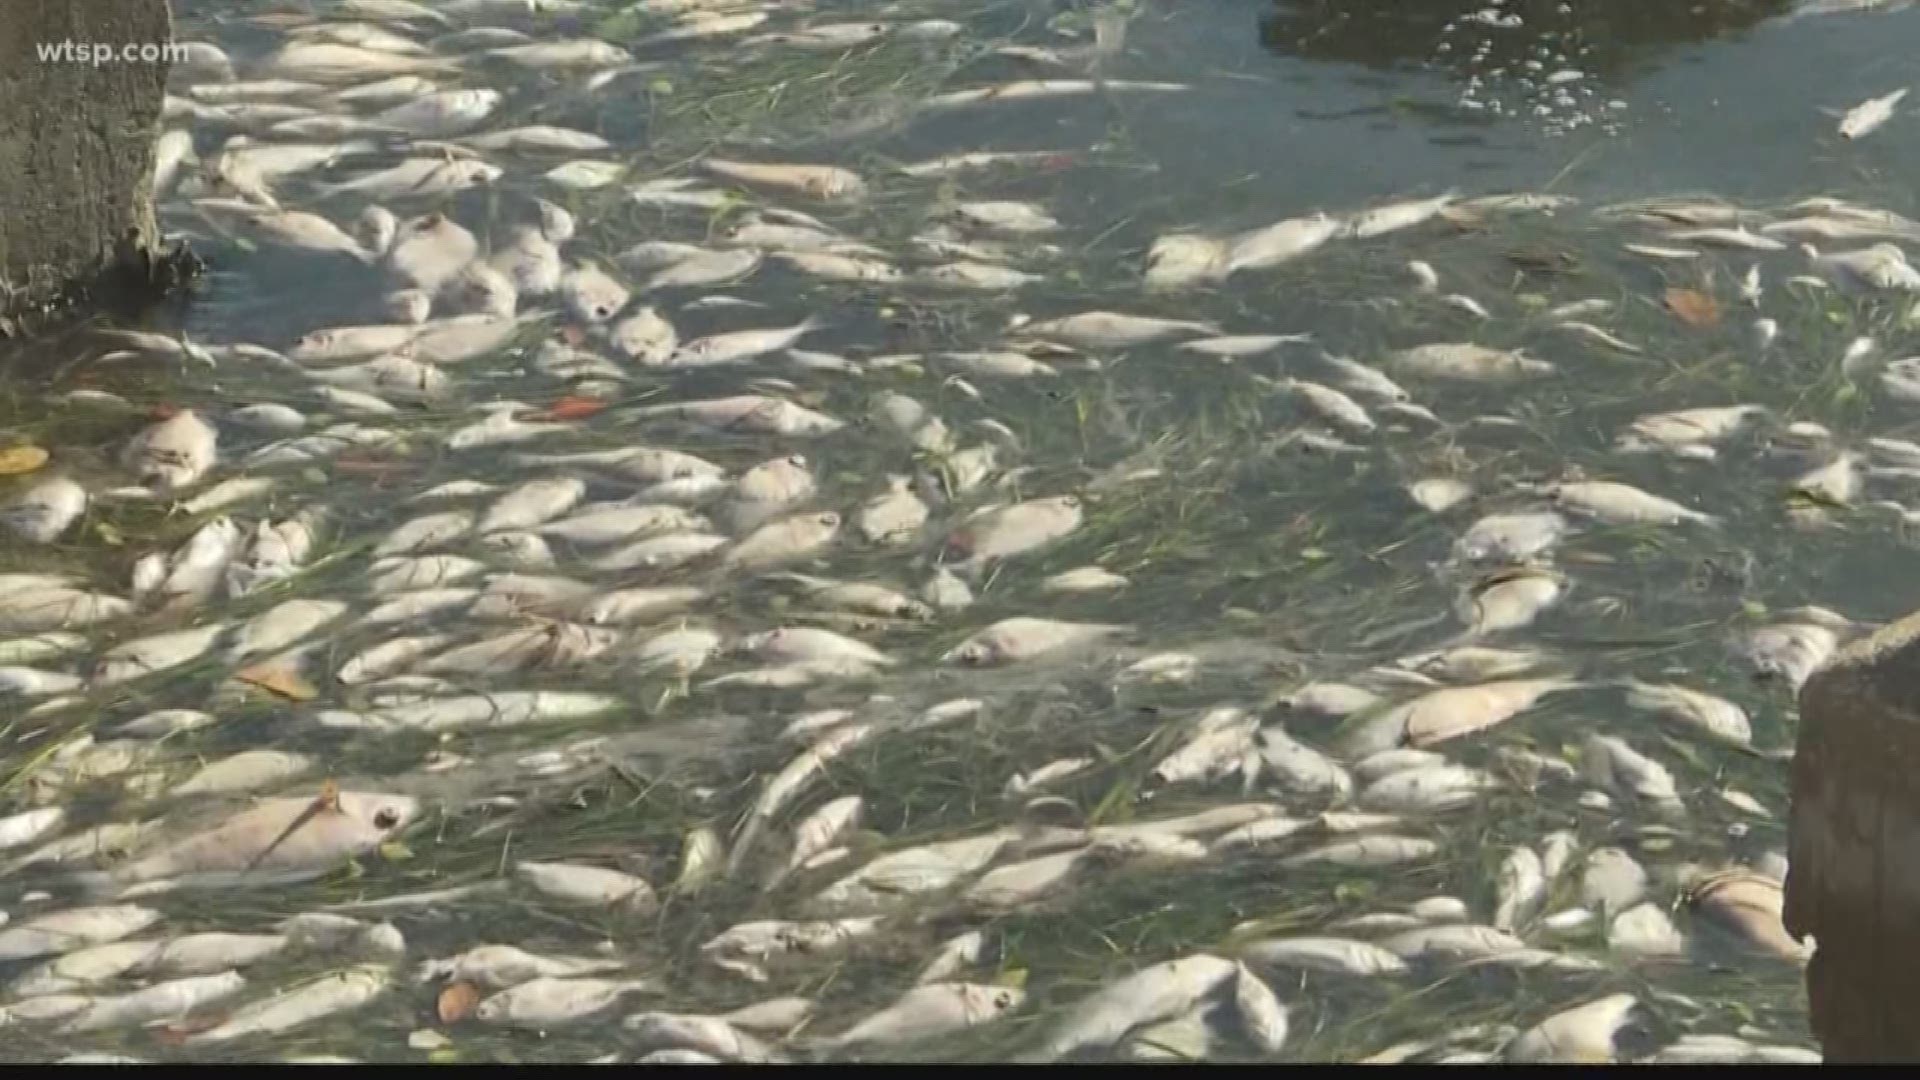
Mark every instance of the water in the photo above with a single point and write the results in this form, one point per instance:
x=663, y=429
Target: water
x=1268, y=559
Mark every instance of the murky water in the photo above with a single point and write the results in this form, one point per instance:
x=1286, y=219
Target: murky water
x=1262, y=557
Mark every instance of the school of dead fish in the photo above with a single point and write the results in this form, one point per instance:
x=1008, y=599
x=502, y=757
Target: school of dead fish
x=578, y=567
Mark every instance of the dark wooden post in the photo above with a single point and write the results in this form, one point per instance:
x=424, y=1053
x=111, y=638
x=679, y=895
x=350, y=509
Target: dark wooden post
x=78, y=119
x=1853, y=874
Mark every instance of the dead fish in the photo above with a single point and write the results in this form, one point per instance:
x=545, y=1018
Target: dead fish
x=1679, y=430
x=1511, y=537
x=592, y=294
x=1108, y=329
x=282, y=625
x=1449, y=713
x=929, y=1011
x=1750, y=905
x=1262, y=1016
x=1007, y=216
x=1153, y=993
x=245, y=770
x=325, y=996
x=590, y=885
x=701, y=267
x=155, y=653
x=1469, y=363
x=1792, y=651
x=1439, y=494
x=73, y=928
x=1239, y=345
x=1332, y=406
x=712, y=1036
x=1018, y=639
x=823, y=828
x=563, y=54
x=1520, y=888
x=164, y=1000
x=783, y=540
x=1621, y=503
x=1336, y=955
x=1733, y=238
x=1702, y=712
x=1179, y=260
x=1396, y=216
x=46, y=510
x=500, y=967
x=303, y=835
x=1583, y=1034
x=740, y=345
x=1509, y=600
x=174, y=454
x=749, y=412
x=817, y=181
x=1031, y=89
x=1367, y=852
x=900, y=875
x=1594, y=333
x=894, y=516
x=1423, y=790
x=1001, y=532
x=1281, y=242
x=1867, y=117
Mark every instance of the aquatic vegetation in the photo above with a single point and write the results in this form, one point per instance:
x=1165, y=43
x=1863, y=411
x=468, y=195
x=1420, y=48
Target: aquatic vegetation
x=700, y=532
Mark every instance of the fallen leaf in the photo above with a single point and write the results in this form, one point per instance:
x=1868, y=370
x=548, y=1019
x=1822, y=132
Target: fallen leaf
x=1693, y=308
x=457, y=1002
x=15, y=460
x=177, y=1032
x=283, y=681
x=571, y=407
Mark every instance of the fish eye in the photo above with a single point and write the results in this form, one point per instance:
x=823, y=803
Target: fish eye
x=797, y=460
x=829, y=519
x=387, y=818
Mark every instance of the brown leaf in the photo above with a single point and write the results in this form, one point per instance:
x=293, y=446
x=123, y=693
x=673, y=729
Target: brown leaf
x=1693, y=308
x=15, y=460
x=457, y=1002
x=281, y=680
x=571, y=407
x=177, y=1032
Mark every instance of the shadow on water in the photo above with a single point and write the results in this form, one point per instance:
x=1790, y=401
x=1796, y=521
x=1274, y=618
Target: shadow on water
x=1468, y=38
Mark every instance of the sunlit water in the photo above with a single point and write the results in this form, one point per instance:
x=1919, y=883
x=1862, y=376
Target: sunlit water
x=1270, y=561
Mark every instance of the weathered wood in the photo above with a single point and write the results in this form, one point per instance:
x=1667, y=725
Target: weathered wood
x=76, y=144
x=1853, y=874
